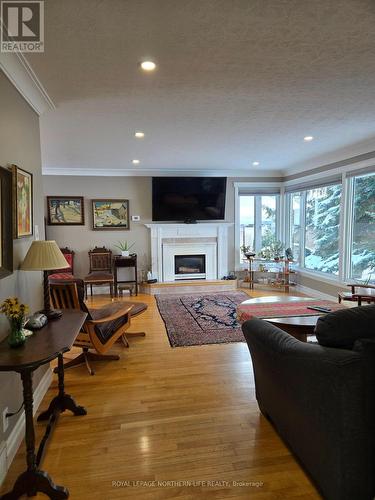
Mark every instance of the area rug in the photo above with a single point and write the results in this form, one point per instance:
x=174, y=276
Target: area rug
x=198, y=319
x=285, y=309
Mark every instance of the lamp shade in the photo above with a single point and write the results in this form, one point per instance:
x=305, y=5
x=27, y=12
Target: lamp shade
x=44, y=256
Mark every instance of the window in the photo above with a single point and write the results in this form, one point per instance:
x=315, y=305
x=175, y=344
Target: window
x=247, y=220
x=295, y=225
x=362, y=245
x=258, y=220
x=314, y=228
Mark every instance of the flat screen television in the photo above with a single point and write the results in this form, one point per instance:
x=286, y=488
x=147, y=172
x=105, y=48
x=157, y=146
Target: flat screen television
x=188, y=199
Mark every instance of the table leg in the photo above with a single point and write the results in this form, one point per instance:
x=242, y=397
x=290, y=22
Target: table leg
x=62, y=401
x=33, y=480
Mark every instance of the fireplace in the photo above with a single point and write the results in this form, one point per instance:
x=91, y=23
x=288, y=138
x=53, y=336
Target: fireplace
x=190, y=266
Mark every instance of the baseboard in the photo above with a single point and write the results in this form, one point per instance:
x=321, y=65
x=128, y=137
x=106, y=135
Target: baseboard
x=9, y=448
x=315, y=293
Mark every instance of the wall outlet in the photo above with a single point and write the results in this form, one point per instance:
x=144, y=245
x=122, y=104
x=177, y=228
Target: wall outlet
x=5, y=419
x=136, y=218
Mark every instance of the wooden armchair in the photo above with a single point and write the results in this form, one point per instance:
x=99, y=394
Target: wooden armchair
x=100, y=273
x=64, y=274
x=102, y=328
x=359, y=293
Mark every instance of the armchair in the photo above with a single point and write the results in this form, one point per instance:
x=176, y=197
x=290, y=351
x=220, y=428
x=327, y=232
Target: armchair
x=102, y=328
x=320, y=398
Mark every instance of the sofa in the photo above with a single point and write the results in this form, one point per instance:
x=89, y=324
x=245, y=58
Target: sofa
x=320, y=397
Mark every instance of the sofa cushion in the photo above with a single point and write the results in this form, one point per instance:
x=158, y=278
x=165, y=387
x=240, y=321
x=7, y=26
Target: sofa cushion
x=342, y=328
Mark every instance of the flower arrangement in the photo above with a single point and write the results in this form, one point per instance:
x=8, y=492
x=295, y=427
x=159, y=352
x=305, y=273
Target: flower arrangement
x=16, y=314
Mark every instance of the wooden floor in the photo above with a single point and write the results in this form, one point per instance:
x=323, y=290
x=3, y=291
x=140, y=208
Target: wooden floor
x=162, y=414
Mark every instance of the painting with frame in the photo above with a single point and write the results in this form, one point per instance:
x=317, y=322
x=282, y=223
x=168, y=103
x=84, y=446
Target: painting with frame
x=65, y=211
x=110, y=214
x=23, y=202
x=6, y=229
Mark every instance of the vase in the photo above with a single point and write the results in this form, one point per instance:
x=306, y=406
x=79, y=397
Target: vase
x=16, y=337
x=125, y=253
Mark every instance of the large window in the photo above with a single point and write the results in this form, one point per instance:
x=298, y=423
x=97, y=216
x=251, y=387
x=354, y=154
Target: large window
x=258, y=220
x=362, y=261
x=295, y=225
x=322, y=221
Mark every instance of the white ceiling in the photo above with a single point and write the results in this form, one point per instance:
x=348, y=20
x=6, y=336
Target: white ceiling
x=237, y=81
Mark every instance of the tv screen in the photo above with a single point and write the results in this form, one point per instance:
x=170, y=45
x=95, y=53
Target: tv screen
x=188, y=199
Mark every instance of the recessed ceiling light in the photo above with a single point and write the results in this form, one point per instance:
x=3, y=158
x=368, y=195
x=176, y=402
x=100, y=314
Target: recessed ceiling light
x=308, y=138
x=135, y=162
x=256, y=163
x=139, y=135
x=148, y=65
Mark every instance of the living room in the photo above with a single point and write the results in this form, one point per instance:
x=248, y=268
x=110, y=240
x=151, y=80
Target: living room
x=220, y=158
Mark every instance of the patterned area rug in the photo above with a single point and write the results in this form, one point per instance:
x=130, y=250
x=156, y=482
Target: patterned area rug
x=285, y=309
x=199, y=319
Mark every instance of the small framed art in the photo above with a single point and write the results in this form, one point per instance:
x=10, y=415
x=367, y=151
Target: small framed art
x=65, y=211
x=110, y=214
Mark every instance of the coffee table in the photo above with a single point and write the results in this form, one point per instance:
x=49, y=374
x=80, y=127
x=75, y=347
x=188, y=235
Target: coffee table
x=299, y=327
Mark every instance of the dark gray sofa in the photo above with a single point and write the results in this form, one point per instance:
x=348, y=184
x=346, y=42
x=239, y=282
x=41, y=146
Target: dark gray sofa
x=321, y=398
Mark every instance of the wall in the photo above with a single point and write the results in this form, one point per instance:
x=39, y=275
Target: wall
x=81, y=238
x=138, y=191
x=19, y=144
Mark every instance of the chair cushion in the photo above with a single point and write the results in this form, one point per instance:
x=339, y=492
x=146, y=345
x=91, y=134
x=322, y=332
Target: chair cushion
x=342, y=328
x=106, y=330
x=98, y=276
x=60, y=276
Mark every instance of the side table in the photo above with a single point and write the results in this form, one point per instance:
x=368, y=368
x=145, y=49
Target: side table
x=42, y=347
x=129, y=262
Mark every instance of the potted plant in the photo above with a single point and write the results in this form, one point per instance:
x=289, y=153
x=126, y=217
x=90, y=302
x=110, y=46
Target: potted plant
x=246, y=250
x=124, y=247
x=16, y=314
x=273, y=250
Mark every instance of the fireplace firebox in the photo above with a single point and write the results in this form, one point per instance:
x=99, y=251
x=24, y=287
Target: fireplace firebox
x=190, y=266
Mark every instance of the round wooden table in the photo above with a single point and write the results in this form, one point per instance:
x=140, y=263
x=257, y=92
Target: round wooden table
x=299, y=326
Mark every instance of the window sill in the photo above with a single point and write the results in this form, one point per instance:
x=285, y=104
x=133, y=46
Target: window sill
x=318, y=276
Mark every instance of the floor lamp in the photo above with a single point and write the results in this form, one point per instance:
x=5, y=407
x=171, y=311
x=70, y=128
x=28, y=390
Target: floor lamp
x=45, y=256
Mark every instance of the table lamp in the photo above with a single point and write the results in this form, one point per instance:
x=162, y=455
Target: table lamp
x=45, y=256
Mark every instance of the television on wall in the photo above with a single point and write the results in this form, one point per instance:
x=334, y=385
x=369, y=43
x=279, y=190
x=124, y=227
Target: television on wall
x=188, y=199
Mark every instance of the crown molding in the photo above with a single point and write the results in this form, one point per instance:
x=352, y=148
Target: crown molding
x=17, y=69
x=163, y=172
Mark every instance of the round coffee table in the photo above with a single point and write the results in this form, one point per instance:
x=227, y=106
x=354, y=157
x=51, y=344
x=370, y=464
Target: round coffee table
x=299, y=326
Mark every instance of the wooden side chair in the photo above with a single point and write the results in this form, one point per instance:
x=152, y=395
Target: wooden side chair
x=102, y=328
x=359, y=293
x=100, y=273
x=64, y=274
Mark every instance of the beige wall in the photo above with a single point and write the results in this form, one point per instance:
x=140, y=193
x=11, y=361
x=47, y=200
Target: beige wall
x=138, y=191
x=19, y=144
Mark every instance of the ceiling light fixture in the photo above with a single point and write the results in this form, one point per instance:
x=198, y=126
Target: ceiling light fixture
x=256, y=163
x=135, y=162
x=139, y=135
x=148, y=65
x=308, y=138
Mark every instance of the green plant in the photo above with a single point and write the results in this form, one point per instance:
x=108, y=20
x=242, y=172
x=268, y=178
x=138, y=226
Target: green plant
x=245, y=249
x=124, y=246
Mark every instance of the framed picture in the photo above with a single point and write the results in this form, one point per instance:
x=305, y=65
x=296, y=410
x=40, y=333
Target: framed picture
x=23, y=202
x=65, y=211
x=110, y=214
x=6, y=223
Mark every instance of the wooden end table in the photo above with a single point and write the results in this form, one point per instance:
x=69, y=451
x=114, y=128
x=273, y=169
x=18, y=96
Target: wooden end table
x=45, y=345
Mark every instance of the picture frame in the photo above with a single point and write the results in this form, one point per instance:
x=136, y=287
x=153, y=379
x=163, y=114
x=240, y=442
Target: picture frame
x=110, y=214
x=6, y=223
x=23, y=201
x=65, y=211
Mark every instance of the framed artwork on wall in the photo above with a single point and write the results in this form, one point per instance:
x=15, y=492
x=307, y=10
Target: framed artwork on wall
x=23, y=202
x=6, y=223
x=110, y=214
x=65, y=211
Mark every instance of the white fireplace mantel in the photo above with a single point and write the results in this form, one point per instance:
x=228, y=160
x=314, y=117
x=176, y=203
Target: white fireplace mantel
x=189, y=233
